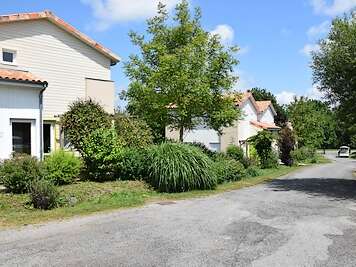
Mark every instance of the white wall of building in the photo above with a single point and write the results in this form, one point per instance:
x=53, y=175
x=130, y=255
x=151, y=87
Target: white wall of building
x=55, y=56
x=249, y=113
x=18, y=103
x=210, y=138
x=267, y=116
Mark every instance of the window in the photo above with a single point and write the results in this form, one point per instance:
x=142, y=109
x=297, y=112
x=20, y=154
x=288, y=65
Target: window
x=215, y=147
x=8, y=56
x=47, y=138
x=21, y=137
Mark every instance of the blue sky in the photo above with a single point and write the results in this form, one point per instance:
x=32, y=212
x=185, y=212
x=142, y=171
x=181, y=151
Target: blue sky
x=275, y=36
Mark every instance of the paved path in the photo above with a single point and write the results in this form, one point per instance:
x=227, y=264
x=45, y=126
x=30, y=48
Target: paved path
x=305, y=219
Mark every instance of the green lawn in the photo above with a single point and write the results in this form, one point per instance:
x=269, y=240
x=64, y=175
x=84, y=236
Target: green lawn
x=94, y=197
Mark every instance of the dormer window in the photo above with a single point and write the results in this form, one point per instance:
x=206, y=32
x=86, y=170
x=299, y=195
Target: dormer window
x=8, y=56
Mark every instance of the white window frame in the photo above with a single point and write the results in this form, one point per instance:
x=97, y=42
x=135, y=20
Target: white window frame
x=12, y=51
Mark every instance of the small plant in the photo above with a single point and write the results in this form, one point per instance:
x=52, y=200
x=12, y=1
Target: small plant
x=43, y=194
x=102, y=153
x=133, y=132
x=17, y=172
x=271, y=161
x=286, y=144
x=227, y=170
x=253, y=171
x=62, y=167
x=235, y=152
x=176, y=167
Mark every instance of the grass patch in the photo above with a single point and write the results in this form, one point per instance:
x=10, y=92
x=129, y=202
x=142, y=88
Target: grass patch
x=91, y=197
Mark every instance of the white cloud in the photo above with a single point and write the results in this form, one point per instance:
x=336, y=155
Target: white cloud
x=337, y=7
x=318, y=30
x=244, y=50
x=225, y=32
x=108, y=12
x=314, y=93
x=309, y=48
x=285, y=97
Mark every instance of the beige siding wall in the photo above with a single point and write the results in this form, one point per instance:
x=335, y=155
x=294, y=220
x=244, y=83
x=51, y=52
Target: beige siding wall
x=103, y=92
x=56, y=56
x=229, y=137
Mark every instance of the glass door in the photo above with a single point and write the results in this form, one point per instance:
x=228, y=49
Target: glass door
x=21, y=137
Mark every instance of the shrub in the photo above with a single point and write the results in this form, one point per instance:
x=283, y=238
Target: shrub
x=235, y=152
x=227, y=170
x=133, y=164
x=263, y=144
x=17, y=172
x=102, y=152
x=304, y=154
x=43, y=194
x=133, y=132
x=253, y=171
x=82, y=119
x=62, y=167
x=286, y=144
x=211, y=154
x=178, y=167
x=271, y=161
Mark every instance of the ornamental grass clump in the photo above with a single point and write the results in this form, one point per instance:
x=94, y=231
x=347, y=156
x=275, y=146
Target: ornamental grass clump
x=175, y=167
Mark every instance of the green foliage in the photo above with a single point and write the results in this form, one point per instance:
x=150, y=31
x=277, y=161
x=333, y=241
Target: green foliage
x=83, y=118
x=313, y=122
x=235, y=152
x=17, y=172
x=286, y=144
x=227, y=170
x=102, y=153
x=253, y=171
x=262, y=141
x=262, y=94
x=178, y=167
x=334, y=69
x=304, y=155
x=180, y=65
x=133, y=132
x=43, y=194
x=133, y=164
x=62, y=167
x=211, y=154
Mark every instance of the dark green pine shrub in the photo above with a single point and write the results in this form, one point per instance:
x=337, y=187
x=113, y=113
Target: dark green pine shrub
x=62, y=167
x=18, y=172
x=286, y=144
x=82, y=119
x=102, y=153
x=175, y=167
x=133, y=132
x=43, y=194
x=227, y=170
x=235, y=152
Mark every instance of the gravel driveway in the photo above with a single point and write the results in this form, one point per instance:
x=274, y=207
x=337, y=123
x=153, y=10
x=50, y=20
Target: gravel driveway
x=305, y=219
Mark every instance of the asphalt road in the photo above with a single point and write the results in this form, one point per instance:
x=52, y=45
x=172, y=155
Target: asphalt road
x=305, y=219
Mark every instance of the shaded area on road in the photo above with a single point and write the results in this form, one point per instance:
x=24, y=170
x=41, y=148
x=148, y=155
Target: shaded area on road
x=339, y=189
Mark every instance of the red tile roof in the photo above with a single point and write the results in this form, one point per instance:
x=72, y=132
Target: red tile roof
x=264, y=125
x=48, y=15
x=263, y=105
x=20, y=76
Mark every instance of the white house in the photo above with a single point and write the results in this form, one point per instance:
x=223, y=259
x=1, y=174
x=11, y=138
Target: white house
x=256, y=116
x=46, y=64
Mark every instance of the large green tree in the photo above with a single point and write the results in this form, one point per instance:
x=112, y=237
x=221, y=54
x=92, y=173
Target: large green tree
x=334, y=71
x=261, y=94
x=181, y=75
x=313, y=122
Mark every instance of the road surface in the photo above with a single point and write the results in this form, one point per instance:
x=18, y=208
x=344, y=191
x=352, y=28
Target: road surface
x=305, y=219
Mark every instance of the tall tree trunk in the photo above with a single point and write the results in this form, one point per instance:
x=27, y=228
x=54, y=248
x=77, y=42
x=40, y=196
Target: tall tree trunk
x=181, y=133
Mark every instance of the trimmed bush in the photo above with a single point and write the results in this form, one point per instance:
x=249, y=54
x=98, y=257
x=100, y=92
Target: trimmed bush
x=286, y=144
x=253, y=171
x=178, y=167
x=82, y=119
x=304, y=154
x=227, y=170
x=62, y=167
x=133, y=164
x=133, y=132
x=102, y=153
x=18, y=172
x=43, y=194
x=235, y=152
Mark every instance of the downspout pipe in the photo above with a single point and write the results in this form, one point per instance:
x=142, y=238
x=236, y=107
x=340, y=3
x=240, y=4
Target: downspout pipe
x=45, y=84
